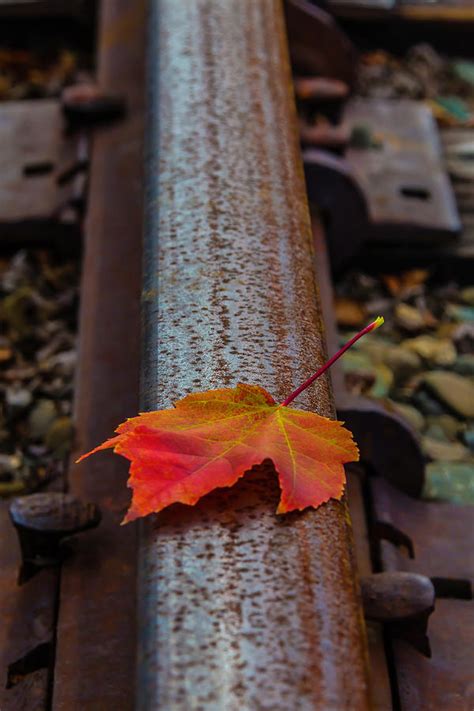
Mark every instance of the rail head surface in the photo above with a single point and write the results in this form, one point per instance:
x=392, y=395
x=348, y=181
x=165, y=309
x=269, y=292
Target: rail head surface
x=239, y=608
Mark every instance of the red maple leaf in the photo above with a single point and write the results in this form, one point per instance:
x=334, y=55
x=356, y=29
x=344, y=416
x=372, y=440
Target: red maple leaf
x=211, y=439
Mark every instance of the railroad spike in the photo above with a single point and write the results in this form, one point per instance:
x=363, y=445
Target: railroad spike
x=403, y=602
x=87, y=104
x=42, y=522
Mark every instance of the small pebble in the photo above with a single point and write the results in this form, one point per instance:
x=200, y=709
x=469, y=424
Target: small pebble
x=436, y=351
x=467, y=295
x=448, y=424
x=9, y=465
x=59, y=437
x=426, y=404
x=464, y=364
x=409, y=413
x=450, y=481
x=409, y=318
x=444, y=451
x=468, y=437
x=41, y=418
x=456, y=391
x=18, y=399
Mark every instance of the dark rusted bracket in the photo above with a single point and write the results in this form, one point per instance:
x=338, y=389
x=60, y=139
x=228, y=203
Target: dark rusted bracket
x=331, y=183
x=440, y=532
x=79, y=10
x=317, y=45
x=455, y=16
x=394, y=190
x=42, y=522
x=363, y=6
x=403, y=602
x=383, y=531
x=388, y=446
x=42, y=176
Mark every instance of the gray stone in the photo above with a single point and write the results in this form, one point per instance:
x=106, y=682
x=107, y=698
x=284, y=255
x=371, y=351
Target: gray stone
x=59, y=437
x=444, y=451
x=426, y=404
x=460, y=313
x=450, y=481
x=464, y=364
x=9, y=464
x=41, y=418
x=453, y=390
x=467, y=295
x=409, y=413
x=356, y=362
x=383, y=381
x=468, y=437
x=435, y=431
x=463, y=337
x=408, y=317
x=450, y=425
x=17, y=398
x=403, y=362
x=375, y=348
x=436, y=351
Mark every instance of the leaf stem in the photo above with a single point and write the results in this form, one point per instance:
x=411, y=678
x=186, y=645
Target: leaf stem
x=371, y=327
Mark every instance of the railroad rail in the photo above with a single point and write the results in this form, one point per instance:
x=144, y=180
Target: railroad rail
x=238, y=609
x=204, y=266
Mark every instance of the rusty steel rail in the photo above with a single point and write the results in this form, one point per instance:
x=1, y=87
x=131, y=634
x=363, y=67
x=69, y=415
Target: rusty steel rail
x=239, y=608
x=96, y=645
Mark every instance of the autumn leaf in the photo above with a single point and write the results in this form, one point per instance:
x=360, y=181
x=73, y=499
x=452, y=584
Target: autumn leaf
x=210, y=439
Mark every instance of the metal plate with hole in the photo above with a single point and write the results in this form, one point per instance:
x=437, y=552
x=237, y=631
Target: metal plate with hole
x=35, y=202
x=408, y=192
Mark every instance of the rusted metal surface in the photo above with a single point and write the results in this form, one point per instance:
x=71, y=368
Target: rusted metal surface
x=443, y=549
x=458, y=151
x=27, y=621
x=240, y=609
x=96, y=646
x=454, y=260
x=364, y=4
x=38, y=8
x=380, y=691
x=35, y=151
x=438, y=531
x=428, y=11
